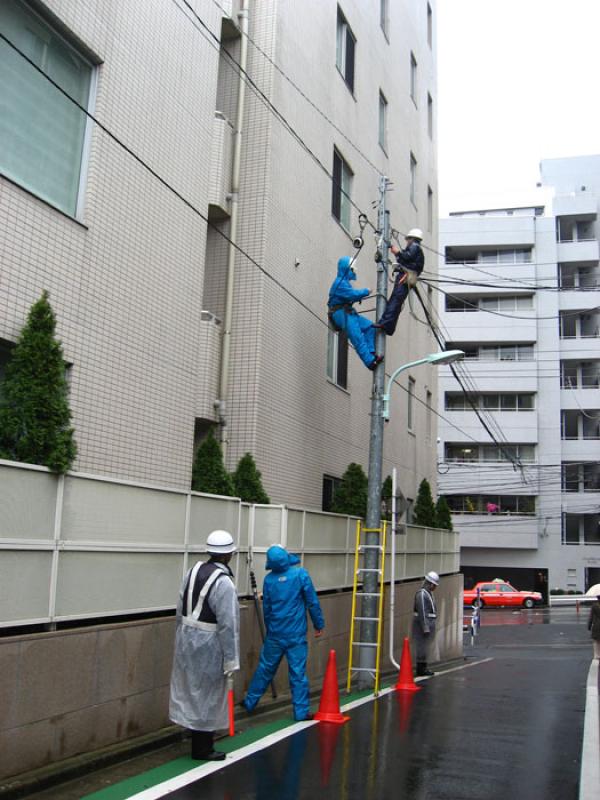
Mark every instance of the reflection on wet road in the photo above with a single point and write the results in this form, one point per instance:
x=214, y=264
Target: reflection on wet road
x=508, y=727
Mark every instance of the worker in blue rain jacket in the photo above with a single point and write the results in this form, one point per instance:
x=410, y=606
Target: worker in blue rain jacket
x=343, y=316
x=409, y=265
x=288, y=593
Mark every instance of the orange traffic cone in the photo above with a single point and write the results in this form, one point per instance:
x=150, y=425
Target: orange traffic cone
x=329, y=707
x=405, y=681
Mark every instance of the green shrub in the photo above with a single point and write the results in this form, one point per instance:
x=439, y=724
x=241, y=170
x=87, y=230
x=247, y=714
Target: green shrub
x=34, y=412
x=208, y=473
x=247, y=481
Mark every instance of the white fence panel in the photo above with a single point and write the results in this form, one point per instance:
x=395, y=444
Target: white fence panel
x=24, y=586
x=106, y=512
x=83, y=546
x=27, y=503
x=97, y=584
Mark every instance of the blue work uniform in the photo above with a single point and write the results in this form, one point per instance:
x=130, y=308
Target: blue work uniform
x=342, y=295
x=288, y=593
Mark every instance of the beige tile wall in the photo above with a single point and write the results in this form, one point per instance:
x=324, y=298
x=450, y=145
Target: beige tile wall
x=129, y=284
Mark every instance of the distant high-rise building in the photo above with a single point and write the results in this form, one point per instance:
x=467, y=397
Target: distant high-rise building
x=521, y=297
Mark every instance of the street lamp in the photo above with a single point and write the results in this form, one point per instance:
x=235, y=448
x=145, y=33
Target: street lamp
x=443, y=357
x=380, y=413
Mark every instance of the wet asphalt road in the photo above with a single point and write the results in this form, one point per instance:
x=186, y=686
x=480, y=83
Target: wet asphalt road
x=507, y=728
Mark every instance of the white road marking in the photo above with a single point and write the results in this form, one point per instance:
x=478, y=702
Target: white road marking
x=590, y=756
x=173, y=784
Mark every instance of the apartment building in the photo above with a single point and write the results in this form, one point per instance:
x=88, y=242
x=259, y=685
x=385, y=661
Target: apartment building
x=126, y=217
x=521, y=297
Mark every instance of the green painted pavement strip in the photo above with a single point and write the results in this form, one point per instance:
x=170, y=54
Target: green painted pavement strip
x=131, y=786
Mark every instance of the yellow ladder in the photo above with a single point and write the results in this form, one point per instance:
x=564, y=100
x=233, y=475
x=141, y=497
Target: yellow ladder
x=359, y=571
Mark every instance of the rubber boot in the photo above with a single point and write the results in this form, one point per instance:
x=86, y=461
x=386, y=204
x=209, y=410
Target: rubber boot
x=422, y=670
x=202, y=747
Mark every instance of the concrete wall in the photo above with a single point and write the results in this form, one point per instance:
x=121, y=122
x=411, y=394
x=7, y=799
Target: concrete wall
x=75, y=691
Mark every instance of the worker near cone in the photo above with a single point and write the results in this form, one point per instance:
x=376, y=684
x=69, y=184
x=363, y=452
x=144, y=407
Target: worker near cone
x=288, y=593
x=410, y=263
x=423, y=628
x=207, y=647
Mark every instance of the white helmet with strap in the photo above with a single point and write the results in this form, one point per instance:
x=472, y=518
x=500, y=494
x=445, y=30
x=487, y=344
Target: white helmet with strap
x=433, y=577
x=220, y=543
x=414, y=233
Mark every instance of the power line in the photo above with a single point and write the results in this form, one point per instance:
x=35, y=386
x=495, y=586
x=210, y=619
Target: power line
x=303, y=94
x=264, y=99
x=561, y=315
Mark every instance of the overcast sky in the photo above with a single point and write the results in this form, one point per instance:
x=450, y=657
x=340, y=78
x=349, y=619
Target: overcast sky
x=518, y=81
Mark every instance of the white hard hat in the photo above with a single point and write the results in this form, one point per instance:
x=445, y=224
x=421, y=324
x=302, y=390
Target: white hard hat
x=433, y=577
x=414, y=233
x=220, y=543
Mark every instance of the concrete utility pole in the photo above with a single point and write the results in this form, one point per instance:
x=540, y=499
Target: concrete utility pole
x=372, y=560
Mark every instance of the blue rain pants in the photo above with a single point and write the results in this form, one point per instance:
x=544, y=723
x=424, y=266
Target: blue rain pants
x=360, y=331
x=271, y=654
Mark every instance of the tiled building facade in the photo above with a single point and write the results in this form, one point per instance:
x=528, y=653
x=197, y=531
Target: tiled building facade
x=136, y=277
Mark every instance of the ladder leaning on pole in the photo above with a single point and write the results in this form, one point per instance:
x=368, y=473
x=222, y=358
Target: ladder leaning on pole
x=358, y=572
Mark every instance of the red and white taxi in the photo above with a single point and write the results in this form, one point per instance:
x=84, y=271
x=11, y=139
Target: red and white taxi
x=500, y=593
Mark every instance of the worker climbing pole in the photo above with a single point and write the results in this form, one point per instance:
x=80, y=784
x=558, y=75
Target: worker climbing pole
x=372, y=552
x=409, y=265
x=340, y=306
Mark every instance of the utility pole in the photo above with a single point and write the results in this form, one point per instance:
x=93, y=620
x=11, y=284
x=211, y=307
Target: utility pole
x=372, y=555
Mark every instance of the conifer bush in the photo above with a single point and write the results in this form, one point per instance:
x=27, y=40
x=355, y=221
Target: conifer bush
x=424, y=511
x=351, y=496
x=35, y=418
x=442, y=514
x=208, y=473
x=247, y=481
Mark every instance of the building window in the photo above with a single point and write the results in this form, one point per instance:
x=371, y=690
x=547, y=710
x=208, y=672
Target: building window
x=411, y=401
x=429, y=208
x=337, y=358
x=503, y=303
x=473, y=453
x=430, y=115
x=342, y=184
x=413, y=78
x=42, y=132
x=345, y=49
x=429, y=26
x=330, y=487
x=382, y=120
x=490, y=402
x=384, y=15
x=413, y=180
x=491, y=504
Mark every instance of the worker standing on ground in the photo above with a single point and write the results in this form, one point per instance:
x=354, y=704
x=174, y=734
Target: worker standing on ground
x=594, y=626
x=343, y=317
x=423, y=628
x=207, y=647
x=288, y=593
x=410, y=263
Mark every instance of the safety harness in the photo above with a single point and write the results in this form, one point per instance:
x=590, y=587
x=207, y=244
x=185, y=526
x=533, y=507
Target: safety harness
x=203, y=577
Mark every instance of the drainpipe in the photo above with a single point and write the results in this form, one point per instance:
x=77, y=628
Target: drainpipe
x=220, y=404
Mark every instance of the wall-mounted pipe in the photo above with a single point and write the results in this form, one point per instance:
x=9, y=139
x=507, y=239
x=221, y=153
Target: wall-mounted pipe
x=221, y=402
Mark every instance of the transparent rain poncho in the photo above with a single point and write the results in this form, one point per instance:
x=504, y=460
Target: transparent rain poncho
x=202, y=656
